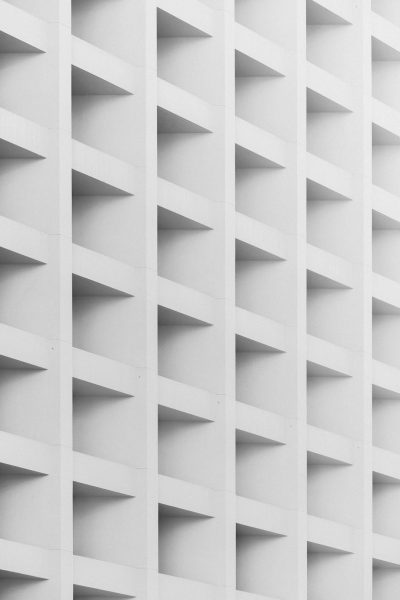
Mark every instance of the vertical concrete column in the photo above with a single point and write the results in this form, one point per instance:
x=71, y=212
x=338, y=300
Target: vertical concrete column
x=146, y=232
x=56, y=221
x=297, y=39
x=223, y=72
x=364, y=222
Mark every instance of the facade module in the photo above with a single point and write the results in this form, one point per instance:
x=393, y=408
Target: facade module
x=200, y=299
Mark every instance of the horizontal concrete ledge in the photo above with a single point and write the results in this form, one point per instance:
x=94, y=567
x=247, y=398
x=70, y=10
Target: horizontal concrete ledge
x=329, y=176
x=181, y=305
x=20, y=349
x=95, y=71
x=249, y=596
x=180, y=208
x=255, y=333
x=96, y=173
x=25, y=455
x=329, y=12
x=327, y=93
x=20, y=31
x=385, y=295
x=257, y=56
x=21, y=244
x=96, y=476
x=96, y=375
x=326, y=270
x=327, y=359
x=386, y=379
x=385, y=465
x=324, y=535
x=21, y=138
x=255, y=518
x=385, y=124
x=182, y=112
x=178, y=498
x=385, y=549
x=186, y=18
x=325, y=447
x=385, y=39
x=179, y=588
x=257, y=425
x=257, y=241
x=96, y=274
x=386, y=209
x=257, y=148
x=24, y=560
x=91, y=576
x=178, y=401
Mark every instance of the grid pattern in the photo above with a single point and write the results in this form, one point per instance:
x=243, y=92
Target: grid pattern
x=199, y=299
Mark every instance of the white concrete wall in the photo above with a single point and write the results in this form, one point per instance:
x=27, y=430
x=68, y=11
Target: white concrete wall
x=199, y=299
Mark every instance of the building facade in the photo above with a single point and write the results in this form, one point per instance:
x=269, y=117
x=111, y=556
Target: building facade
x=200, y=299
